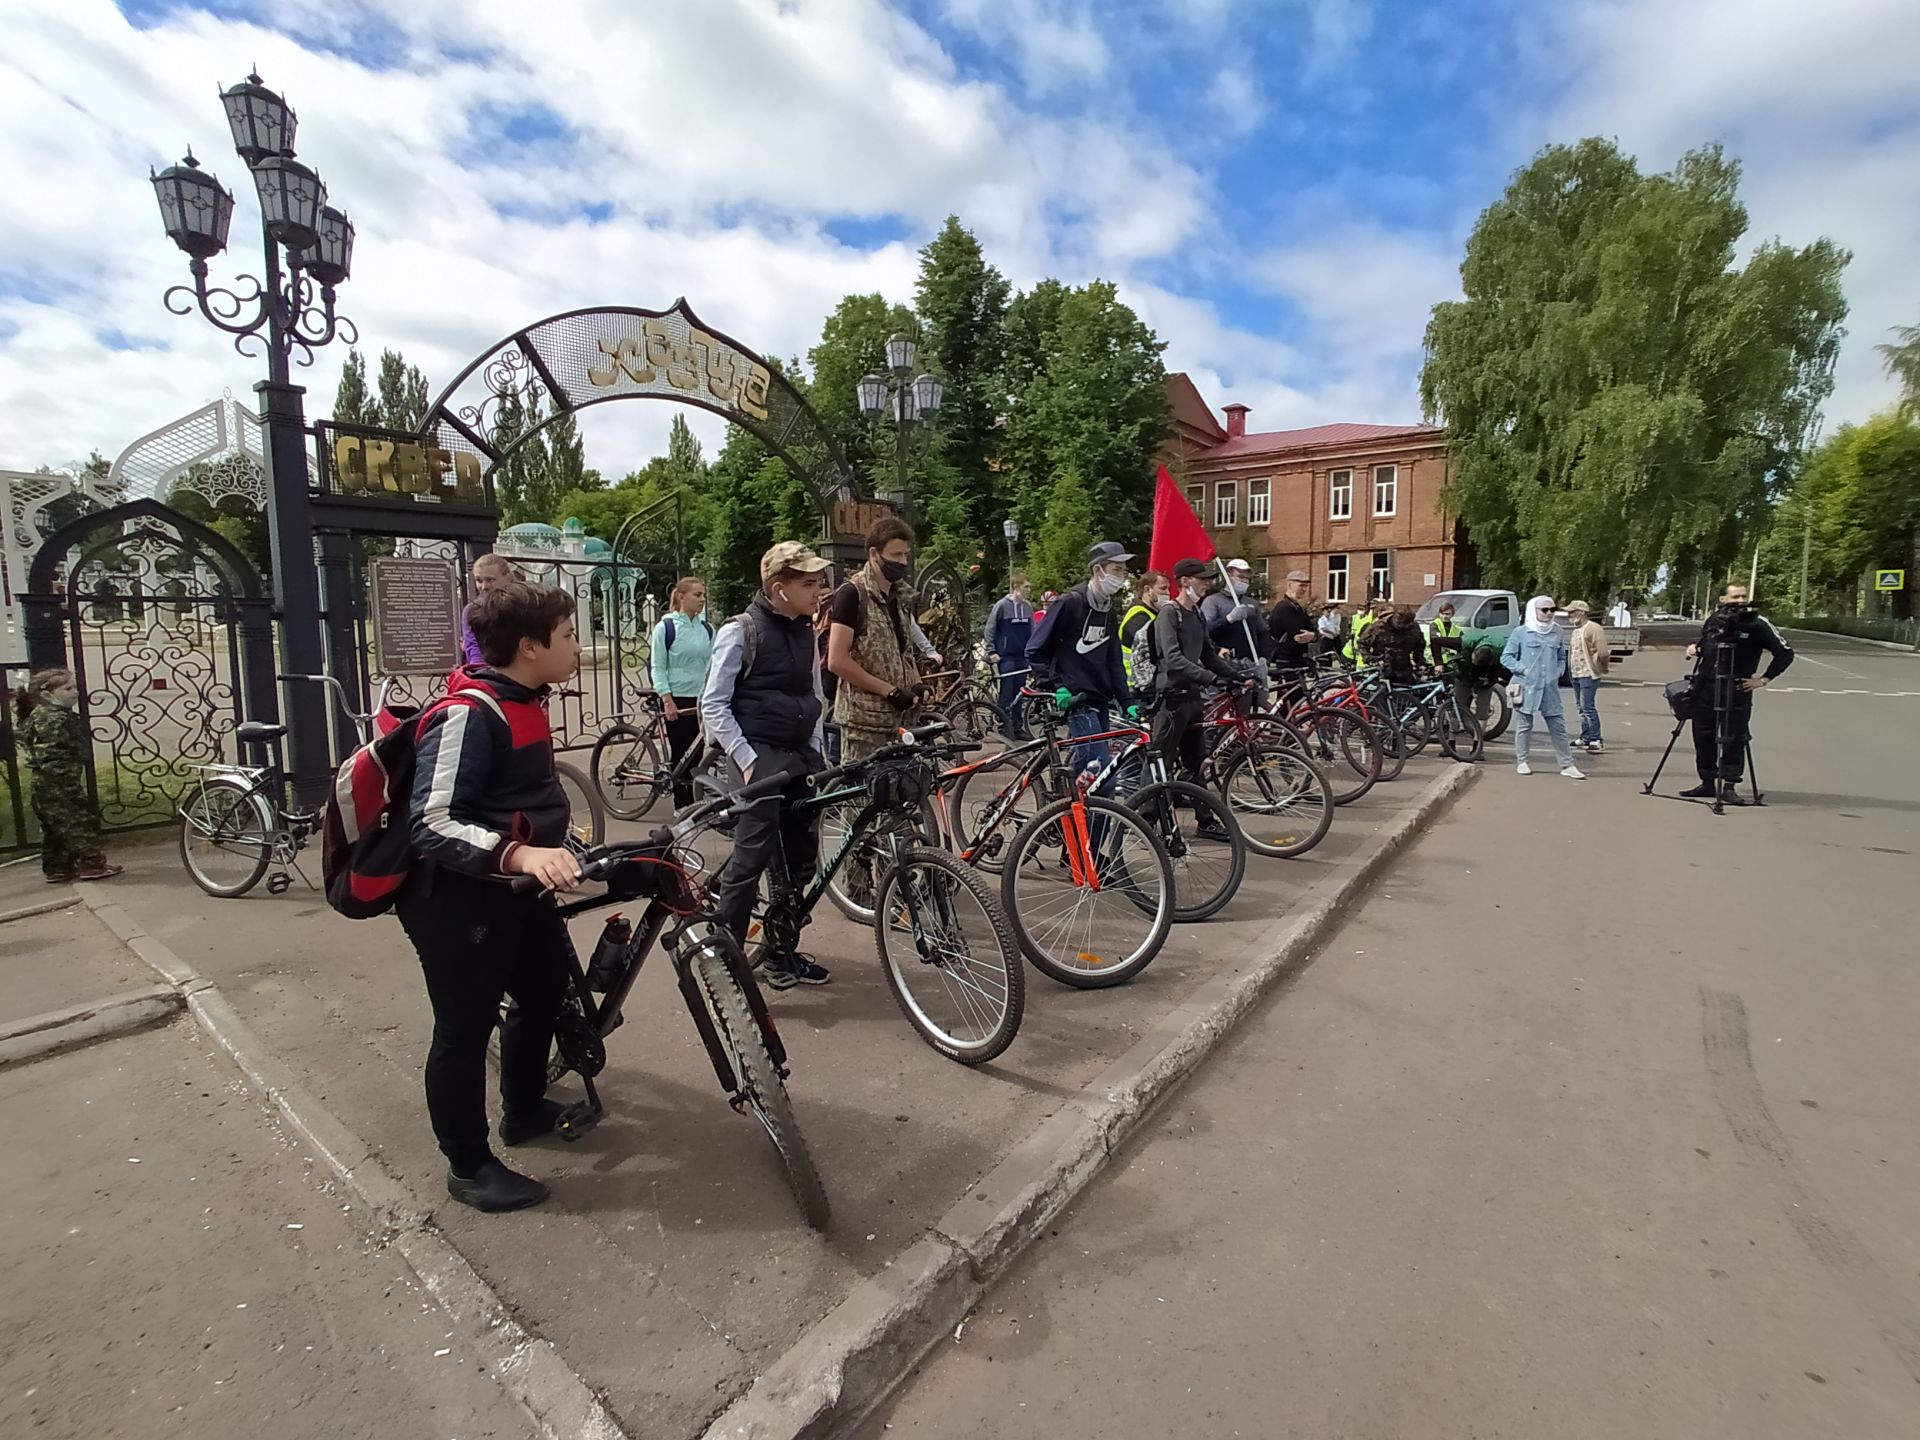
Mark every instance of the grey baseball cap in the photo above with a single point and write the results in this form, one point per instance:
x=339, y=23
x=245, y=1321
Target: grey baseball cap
x=1107, y=552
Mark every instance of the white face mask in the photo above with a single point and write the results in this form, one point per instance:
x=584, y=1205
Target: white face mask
x=1239, y=587
x=1107, y=586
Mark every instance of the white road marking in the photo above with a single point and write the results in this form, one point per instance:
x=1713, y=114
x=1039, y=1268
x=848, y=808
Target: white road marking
x=1800, y=655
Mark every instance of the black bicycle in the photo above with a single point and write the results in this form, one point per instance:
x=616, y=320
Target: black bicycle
x=629, y=775
x=713, y=976
x=944, y=943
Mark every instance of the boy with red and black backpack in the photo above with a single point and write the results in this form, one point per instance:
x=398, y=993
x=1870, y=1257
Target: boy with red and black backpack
x=487, y=806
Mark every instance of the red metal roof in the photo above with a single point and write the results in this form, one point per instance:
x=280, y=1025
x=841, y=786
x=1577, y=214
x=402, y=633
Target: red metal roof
x=1315, y=437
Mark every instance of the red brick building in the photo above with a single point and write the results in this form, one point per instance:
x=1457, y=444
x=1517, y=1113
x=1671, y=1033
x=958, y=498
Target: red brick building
x=1357, y=507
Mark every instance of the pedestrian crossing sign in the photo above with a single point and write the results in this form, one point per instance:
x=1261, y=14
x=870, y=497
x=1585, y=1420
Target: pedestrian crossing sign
x=1889, y=579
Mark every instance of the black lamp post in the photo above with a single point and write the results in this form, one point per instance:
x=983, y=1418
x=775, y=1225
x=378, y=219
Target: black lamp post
x=911, y=404
x=308, y=252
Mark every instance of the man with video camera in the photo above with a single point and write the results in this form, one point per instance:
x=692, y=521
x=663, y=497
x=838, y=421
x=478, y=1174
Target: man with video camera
x=1725, y=658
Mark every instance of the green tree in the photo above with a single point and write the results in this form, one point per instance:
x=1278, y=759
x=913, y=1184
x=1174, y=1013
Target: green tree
x=1903, y=364
x=353, y=403
x=1855, y=508
x=403, y=393
x=962, y=302
x=1057, y=560
x=566, y=468
x=1617, y=393
x=853, y=343
x=1087, y=395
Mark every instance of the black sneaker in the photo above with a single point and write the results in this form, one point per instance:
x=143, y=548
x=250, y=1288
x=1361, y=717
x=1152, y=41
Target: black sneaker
x=519, y=1129
x=493, y=1188
x=794, y=970
x=1212, y=829
x=1702, y=791
x=1730, y=795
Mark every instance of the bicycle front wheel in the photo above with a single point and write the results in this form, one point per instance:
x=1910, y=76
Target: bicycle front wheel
x=226, y=836
x=587, y=821
x=1460, y=737
x=1203, y=841
x=1345, y=747
x=1283, y=802
x=626, y=770
x=761, y=1091
x=1089, y=891
x=851, y=885
x=972, y=801
x=976, y=721
x=949, y=956
x=1500, y=716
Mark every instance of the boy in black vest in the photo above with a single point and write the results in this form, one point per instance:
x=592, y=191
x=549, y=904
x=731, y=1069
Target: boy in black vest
x=762, y=705
x=487, y=806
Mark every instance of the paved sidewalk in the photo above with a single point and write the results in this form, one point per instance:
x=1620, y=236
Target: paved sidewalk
x=176, y=1267
x=62, y=957
x=670, y=1267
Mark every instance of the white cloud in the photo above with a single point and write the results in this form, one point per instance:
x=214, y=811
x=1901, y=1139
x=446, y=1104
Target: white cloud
x=1236, y=99
x=1055, y=42
x=725, y=137
x=1816, y=101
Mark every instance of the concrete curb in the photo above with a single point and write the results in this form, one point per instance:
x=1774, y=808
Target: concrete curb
x=62, y=1029
x=1899, y=645
x=561, y=1405
x=43, y=907
x=849, y=1361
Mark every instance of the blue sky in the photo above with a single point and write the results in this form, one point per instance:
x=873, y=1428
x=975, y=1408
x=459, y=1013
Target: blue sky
x=1281, y=187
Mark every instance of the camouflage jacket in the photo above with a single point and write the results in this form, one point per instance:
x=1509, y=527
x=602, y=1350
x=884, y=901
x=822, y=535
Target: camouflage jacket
x=54, y=740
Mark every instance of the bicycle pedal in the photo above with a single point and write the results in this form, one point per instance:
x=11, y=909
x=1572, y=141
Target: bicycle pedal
x=576, y=1120
x=279, y=884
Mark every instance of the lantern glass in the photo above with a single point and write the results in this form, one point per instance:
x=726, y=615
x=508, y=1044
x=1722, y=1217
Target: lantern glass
x=873, y=394
x=194, y=209
x=900, y=352
x=291, y=199
x=262, y=123
x=906, y=408
x=927, y=393
x=330, y=261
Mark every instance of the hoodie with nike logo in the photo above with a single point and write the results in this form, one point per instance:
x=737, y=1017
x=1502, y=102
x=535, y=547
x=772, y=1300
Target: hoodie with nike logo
x=1076, y=646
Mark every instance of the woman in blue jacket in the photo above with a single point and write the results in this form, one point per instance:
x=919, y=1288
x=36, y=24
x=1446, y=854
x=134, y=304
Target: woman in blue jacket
x=682, y=648
x=1537, y=654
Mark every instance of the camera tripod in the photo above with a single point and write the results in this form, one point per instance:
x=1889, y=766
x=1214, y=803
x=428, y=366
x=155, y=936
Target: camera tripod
x=1723, y=705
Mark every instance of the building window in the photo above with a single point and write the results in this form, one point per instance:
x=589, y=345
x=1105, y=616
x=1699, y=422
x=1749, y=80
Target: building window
x=1382, y=575
x=1336, y=579
x=1226, y=504
x=1262, y=570
x=1340, y=495
x=1197, y=498
x=1259, y=502
x=1386, y=489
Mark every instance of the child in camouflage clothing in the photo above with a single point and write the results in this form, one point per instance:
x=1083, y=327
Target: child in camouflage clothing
x=55, y=743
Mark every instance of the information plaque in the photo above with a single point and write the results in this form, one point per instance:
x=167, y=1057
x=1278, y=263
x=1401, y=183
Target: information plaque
x=416, y=616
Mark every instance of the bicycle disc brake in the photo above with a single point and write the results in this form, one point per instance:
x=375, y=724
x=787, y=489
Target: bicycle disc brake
x=580, y=1046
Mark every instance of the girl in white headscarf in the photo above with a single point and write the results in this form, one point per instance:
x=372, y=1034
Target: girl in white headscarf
x=1537, y=655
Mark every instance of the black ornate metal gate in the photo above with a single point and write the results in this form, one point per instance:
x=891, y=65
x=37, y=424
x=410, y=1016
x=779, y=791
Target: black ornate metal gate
x=168, y=632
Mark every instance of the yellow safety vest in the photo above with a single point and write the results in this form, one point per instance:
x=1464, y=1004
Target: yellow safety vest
x=1352, y=650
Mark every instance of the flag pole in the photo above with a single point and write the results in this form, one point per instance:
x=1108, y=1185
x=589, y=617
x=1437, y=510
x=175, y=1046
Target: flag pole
x=1259, y=660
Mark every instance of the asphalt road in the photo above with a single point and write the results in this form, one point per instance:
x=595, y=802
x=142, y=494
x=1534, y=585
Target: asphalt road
x=1598, y=1119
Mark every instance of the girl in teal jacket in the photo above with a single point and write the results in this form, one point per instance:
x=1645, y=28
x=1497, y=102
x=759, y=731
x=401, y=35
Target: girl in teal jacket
x=682, y=648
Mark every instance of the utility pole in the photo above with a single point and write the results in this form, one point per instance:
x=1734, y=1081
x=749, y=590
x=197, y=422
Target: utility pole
x=1806, y=550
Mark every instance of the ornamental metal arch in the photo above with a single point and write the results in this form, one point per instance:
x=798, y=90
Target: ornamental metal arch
x=582, y=358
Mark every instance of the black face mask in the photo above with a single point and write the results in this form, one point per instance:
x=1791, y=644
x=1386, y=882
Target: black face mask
x=894, y=570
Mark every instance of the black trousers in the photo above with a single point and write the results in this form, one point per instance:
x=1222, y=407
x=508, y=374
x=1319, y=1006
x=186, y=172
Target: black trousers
x=1177, y=734
x=768, y=823
x=1714, y=762
x=681, y=734
x=478, y=942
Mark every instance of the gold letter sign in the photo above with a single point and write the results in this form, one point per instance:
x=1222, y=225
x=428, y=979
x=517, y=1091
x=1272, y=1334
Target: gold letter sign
x=687, y=359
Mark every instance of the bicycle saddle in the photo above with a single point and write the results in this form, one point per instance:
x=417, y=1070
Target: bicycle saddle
x=255, y=732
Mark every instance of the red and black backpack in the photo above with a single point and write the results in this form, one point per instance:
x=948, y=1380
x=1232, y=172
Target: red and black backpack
x=366, y=846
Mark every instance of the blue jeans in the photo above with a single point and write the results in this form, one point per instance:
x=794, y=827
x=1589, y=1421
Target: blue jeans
x=1013, y=675
x=1584, y=693
x=1556, y=729
x=1090, y=720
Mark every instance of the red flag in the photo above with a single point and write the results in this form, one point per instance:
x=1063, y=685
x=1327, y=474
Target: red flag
x=1177, y=534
